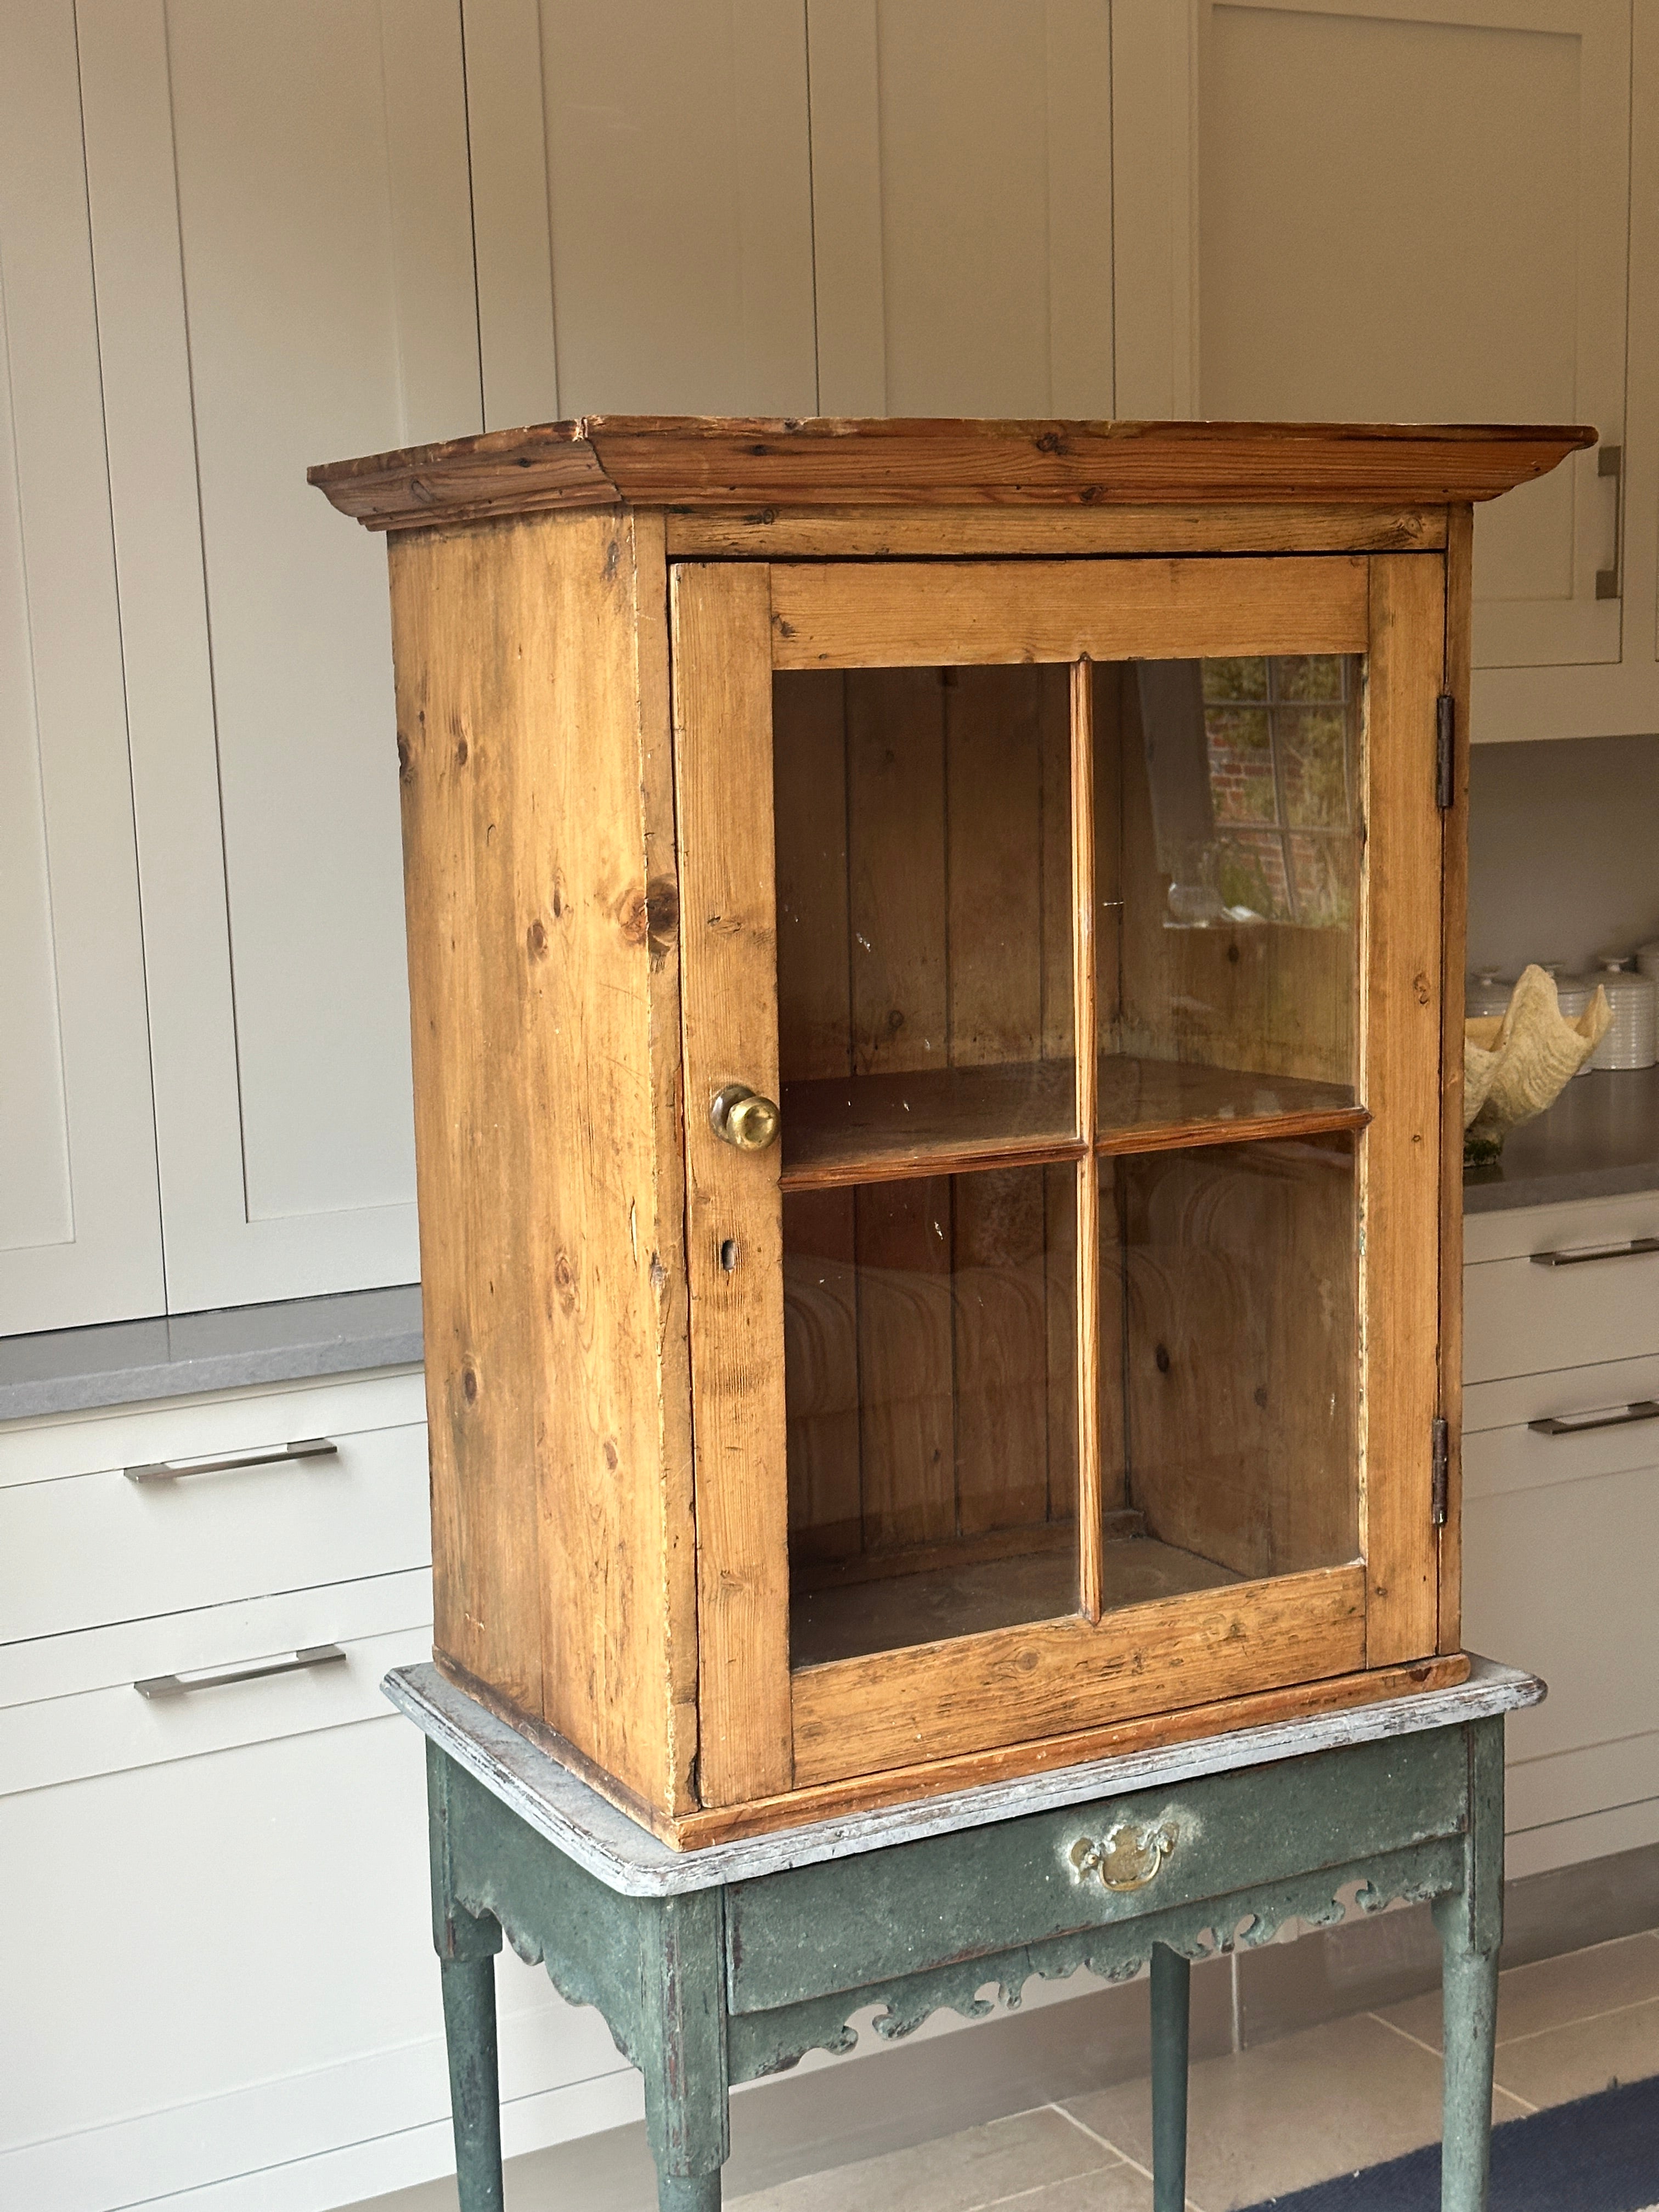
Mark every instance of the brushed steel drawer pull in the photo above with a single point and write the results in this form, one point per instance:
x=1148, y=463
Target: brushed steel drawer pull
x=1577, y=1259
x=180, y=1685
x=167, y=1470
x=1643, y=1409
x=1127, y=1857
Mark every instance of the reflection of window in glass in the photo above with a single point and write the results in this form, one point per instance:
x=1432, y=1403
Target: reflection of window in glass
x=1252, y=768
x=1280, y=734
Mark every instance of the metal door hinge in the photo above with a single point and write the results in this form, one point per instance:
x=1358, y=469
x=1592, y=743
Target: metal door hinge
x=1440, y=1449
x=1445, y=756
x=1610, y=582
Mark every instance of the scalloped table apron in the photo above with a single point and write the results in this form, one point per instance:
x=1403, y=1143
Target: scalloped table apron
x=722, y=1965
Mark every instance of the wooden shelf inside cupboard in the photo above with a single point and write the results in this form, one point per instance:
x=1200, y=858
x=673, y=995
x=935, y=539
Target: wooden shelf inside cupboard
x=930, y=948
x=947, y=1121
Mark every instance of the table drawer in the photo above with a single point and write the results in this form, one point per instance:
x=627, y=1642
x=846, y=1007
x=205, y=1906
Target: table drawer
x=1597, y=1299
x=852, y=1922
x=87, y=1549
x=70, y=1707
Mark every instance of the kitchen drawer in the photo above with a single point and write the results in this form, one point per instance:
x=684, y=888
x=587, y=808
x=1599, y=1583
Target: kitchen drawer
x=44, y=1448
x=68, y=1706
x=1608, y=1430
x=1563, y=1392
x=78, y=1550
x=1521, y=1318
x=843, y=1925
x=1558, y=1577
x=223, y=1978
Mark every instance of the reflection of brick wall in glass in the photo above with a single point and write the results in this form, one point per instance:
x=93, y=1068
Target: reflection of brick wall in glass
x=1281, y=734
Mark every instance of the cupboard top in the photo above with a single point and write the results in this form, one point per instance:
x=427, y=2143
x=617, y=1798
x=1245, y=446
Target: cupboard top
x=717, y=461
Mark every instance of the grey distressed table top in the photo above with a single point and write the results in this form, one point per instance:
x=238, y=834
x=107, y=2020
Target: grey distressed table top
x=555, y=1803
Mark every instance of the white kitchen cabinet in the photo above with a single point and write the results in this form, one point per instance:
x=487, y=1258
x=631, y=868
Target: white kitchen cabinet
x=1384, y=209
x=1561, y=1523
x=961, y=207
x=282, y=248
x=223, y=1994
x=643, y=207
x=79, y=1229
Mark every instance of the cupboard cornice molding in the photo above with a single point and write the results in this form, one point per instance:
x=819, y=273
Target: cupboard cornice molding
x=713, y=462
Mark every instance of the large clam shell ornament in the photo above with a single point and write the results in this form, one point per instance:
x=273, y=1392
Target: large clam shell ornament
x=1518, y=1062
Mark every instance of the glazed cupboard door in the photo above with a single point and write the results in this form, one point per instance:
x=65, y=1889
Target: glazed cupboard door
x=1061, y=1003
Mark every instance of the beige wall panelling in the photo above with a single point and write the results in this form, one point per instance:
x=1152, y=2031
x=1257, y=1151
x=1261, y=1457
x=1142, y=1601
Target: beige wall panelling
x=643, y=206
x=1408, y=209
x=514, y=242
x=1155, y=208
x=282, y=251
x=961, y=207
x=80, y=1233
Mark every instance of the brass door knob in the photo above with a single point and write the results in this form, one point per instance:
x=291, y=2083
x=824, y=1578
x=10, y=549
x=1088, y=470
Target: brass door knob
x=742, y=1117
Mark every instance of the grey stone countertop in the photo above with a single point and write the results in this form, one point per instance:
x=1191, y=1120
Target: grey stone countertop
x=123, y=1363
x=1599, y=1139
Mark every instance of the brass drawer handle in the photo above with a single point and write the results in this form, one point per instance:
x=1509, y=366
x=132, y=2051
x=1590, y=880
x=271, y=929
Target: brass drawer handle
x=1643, y=1409
x=1127, y=1857
x=742, y=1117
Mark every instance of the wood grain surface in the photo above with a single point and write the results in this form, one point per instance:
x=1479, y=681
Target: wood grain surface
x=857, y=1716
x=810, y=533
x=544, y=990
x=896, y=613
x=709, y=461
x=734, y=1241
x=1453, y=922
x=1401, y=1175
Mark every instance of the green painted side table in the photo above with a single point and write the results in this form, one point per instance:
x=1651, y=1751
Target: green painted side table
x=718, y=1966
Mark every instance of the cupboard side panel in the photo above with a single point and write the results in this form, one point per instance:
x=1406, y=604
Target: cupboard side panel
x=729, y=1009
x=1400, y=1279
x=539, y=952
x=673, y=1346
x=1455, y=911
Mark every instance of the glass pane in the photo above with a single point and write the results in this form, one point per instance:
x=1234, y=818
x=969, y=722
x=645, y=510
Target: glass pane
x=930, y=1372
x=1229, y=1353
x=1228, y=839
x=924, y=905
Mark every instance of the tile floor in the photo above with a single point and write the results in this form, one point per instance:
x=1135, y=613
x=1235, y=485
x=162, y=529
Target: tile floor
x=1277, y=2117
x=1271, y=2118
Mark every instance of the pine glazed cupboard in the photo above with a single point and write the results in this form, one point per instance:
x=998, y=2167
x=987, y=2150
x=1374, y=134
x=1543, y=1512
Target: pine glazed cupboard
x=936, y=955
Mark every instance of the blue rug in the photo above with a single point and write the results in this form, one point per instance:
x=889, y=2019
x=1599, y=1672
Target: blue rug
x=1600, y=2155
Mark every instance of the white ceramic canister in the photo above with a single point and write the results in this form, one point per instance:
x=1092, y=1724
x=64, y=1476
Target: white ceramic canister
x=1486, y=992
x=1633, y=1037
x=1572, y=994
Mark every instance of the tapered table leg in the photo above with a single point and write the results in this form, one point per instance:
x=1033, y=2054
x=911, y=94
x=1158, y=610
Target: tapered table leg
x=469, y=1987
x=1471, y=1924
x=1172, y=2002
x=698, y=2192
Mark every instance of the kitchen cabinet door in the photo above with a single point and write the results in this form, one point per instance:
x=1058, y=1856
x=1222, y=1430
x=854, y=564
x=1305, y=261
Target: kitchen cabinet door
x=79, y=1234
x=250, y=2014
x=281, y=249
x=1382, y=209
x=961, y=207
x=642, y=203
